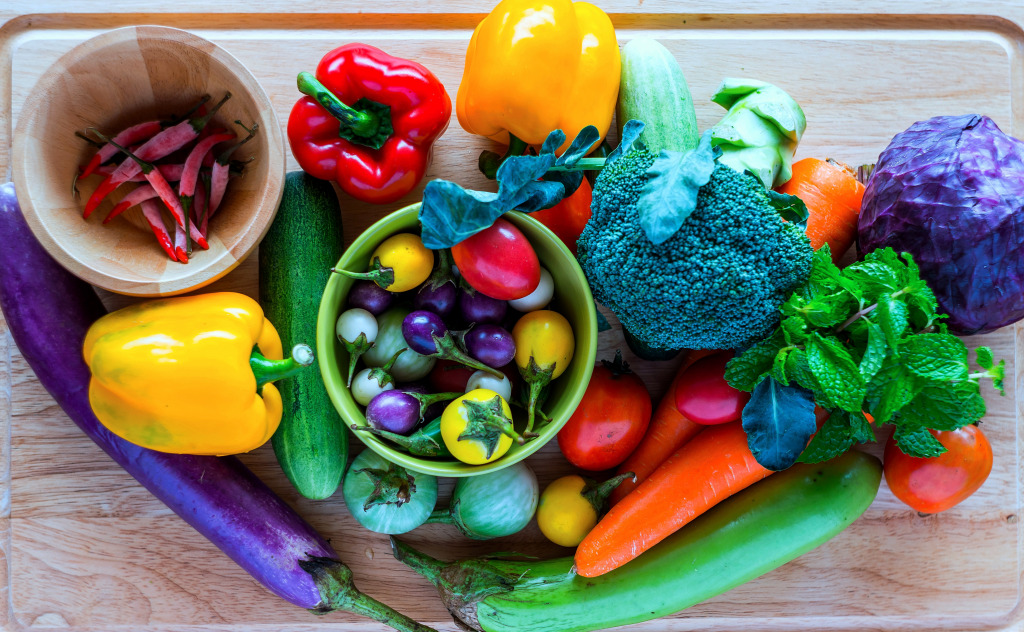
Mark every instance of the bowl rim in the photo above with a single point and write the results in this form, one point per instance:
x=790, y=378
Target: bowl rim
x=325, y=338
x=269, y=196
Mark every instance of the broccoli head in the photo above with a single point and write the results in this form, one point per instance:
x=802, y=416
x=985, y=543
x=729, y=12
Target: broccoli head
x=717, y=283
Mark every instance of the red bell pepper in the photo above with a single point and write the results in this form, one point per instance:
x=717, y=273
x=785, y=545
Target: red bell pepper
x=368, y=122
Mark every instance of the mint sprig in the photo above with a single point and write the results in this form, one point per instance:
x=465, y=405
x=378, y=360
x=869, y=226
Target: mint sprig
x=868, y=343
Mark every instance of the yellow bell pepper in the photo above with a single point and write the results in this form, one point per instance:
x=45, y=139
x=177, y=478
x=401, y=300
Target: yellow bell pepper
x=537, y=65
x=184, y=375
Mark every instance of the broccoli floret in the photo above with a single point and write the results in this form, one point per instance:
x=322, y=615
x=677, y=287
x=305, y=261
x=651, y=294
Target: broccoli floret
x=715, y=284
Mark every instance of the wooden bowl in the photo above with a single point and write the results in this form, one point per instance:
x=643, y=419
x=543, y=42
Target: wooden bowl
x=120, y=78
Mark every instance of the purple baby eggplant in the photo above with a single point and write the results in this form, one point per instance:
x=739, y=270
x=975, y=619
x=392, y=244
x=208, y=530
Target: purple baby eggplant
x=369, y=296
x=491, y=345
x=426, y=334
x=400, y=411
x=477, y=308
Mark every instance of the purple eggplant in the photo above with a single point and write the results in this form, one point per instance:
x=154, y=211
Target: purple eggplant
x=49, y=311
x=369, y=296
x=478, y=308
x=491, y=345
x=400, y=411
x=426, y=334
x=438, y=292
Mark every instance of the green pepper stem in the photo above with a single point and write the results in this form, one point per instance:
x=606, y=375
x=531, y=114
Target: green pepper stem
x=597, y=494
x=337, y=592
x=441, y=516
x=384, y=277
x=145, y=166
x=199, y=123
x=490, y=161
x=267, y=370
x=369, y=126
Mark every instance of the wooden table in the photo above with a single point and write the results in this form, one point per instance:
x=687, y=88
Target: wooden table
x=86, y=548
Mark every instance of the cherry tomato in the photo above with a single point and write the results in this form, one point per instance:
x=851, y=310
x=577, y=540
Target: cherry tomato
x=498, y=262
x=936, y=484
x=704, y=397
x=610, y=421
x=567, y=218
x=449, y=377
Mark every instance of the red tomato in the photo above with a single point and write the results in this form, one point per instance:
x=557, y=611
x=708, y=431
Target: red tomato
x=498, y=261
x=449, y=377
x=704, y=397
x=936, y=484
x=567, y=218
x=610, y=421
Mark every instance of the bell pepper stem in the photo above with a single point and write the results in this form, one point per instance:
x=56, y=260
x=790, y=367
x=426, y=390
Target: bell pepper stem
x=597, y=493
x=369, y=126
x=384, y=277
x=440, y=516
x=267, y=370
x=337, y=592
x=490, y=161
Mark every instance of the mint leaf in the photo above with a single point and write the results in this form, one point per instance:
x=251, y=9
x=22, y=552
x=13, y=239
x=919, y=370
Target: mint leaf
x=794, y=328
x=892, y=388
x=923, y=307
x=670, y=195
x=892, y=317
x=745, y=370
x=836, y=372
x=944, y=407
x=825, y=277
x=917, y=442
x=840, y=431
x=874, y=352
x=984, y=357
x=778, y=421
x=876, y=277
x=778, y=371
x=938, y=357
x=799, y=371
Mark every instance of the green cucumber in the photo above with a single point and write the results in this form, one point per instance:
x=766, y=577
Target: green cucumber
x=743, y=537
x=652, y=89
x=295, y=261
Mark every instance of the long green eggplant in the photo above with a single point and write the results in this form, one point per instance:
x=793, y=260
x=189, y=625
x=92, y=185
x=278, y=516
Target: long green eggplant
x=744, y=537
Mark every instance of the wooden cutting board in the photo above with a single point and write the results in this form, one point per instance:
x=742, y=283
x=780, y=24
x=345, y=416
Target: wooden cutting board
x=86, y=548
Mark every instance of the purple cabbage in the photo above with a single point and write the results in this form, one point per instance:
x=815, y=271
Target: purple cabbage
x=950, y=191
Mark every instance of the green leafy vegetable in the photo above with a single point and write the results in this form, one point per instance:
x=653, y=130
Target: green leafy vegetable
x=867, y=343
x=778, y=420
x=670, y=195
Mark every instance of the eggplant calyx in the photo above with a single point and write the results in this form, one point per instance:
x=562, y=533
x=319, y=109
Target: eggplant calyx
x=393, y=486
x=443, y=272
x=383, y=276
x=597, y=493
x=382, y=374
x=462, y=585
x=337, y=592
x=538, y=378
x=486, y=422
x=445, y=348
x=355, y=348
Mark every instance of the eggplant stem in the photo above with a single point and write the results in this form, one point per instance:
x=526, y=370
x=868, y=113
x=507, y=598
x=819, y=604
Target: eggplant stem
x=440, y=516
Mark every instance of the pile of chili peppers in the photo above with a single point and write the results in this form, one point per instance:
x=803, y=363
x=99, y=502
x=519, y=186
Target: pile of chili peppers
x=186, y=146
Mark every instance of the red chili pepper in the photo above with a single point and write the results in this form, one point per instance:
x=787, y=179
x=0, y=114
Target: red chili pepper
x=151, y=211
x=222, y=168
x=166, y=142
x=139, y=195
x=368, y=122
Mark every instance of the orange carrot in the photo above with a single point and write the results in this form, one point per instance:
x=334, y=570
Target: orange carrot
x=667, y=432
x=713, y=466
x=833, y=196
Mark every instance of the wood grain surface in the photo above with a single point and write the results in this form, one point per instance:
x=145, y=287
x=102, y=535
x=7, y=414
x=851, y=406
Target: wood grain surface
x=86, y=548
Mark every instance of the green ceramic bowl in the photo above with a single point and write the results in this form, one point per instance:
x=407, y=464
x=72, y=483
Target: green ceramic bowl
x=572, y=299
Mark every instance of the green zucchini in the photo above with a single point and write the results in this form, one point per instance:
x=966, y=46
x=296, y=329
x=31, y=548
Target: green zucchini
x=652, y=89
x=295, y=259
x=743, y=537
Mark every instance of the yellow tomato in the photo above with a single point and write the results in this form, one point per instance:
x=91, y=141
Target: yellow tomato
x=408, y=257
x=564, y=515
x=477, y=427
x=546, y=337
